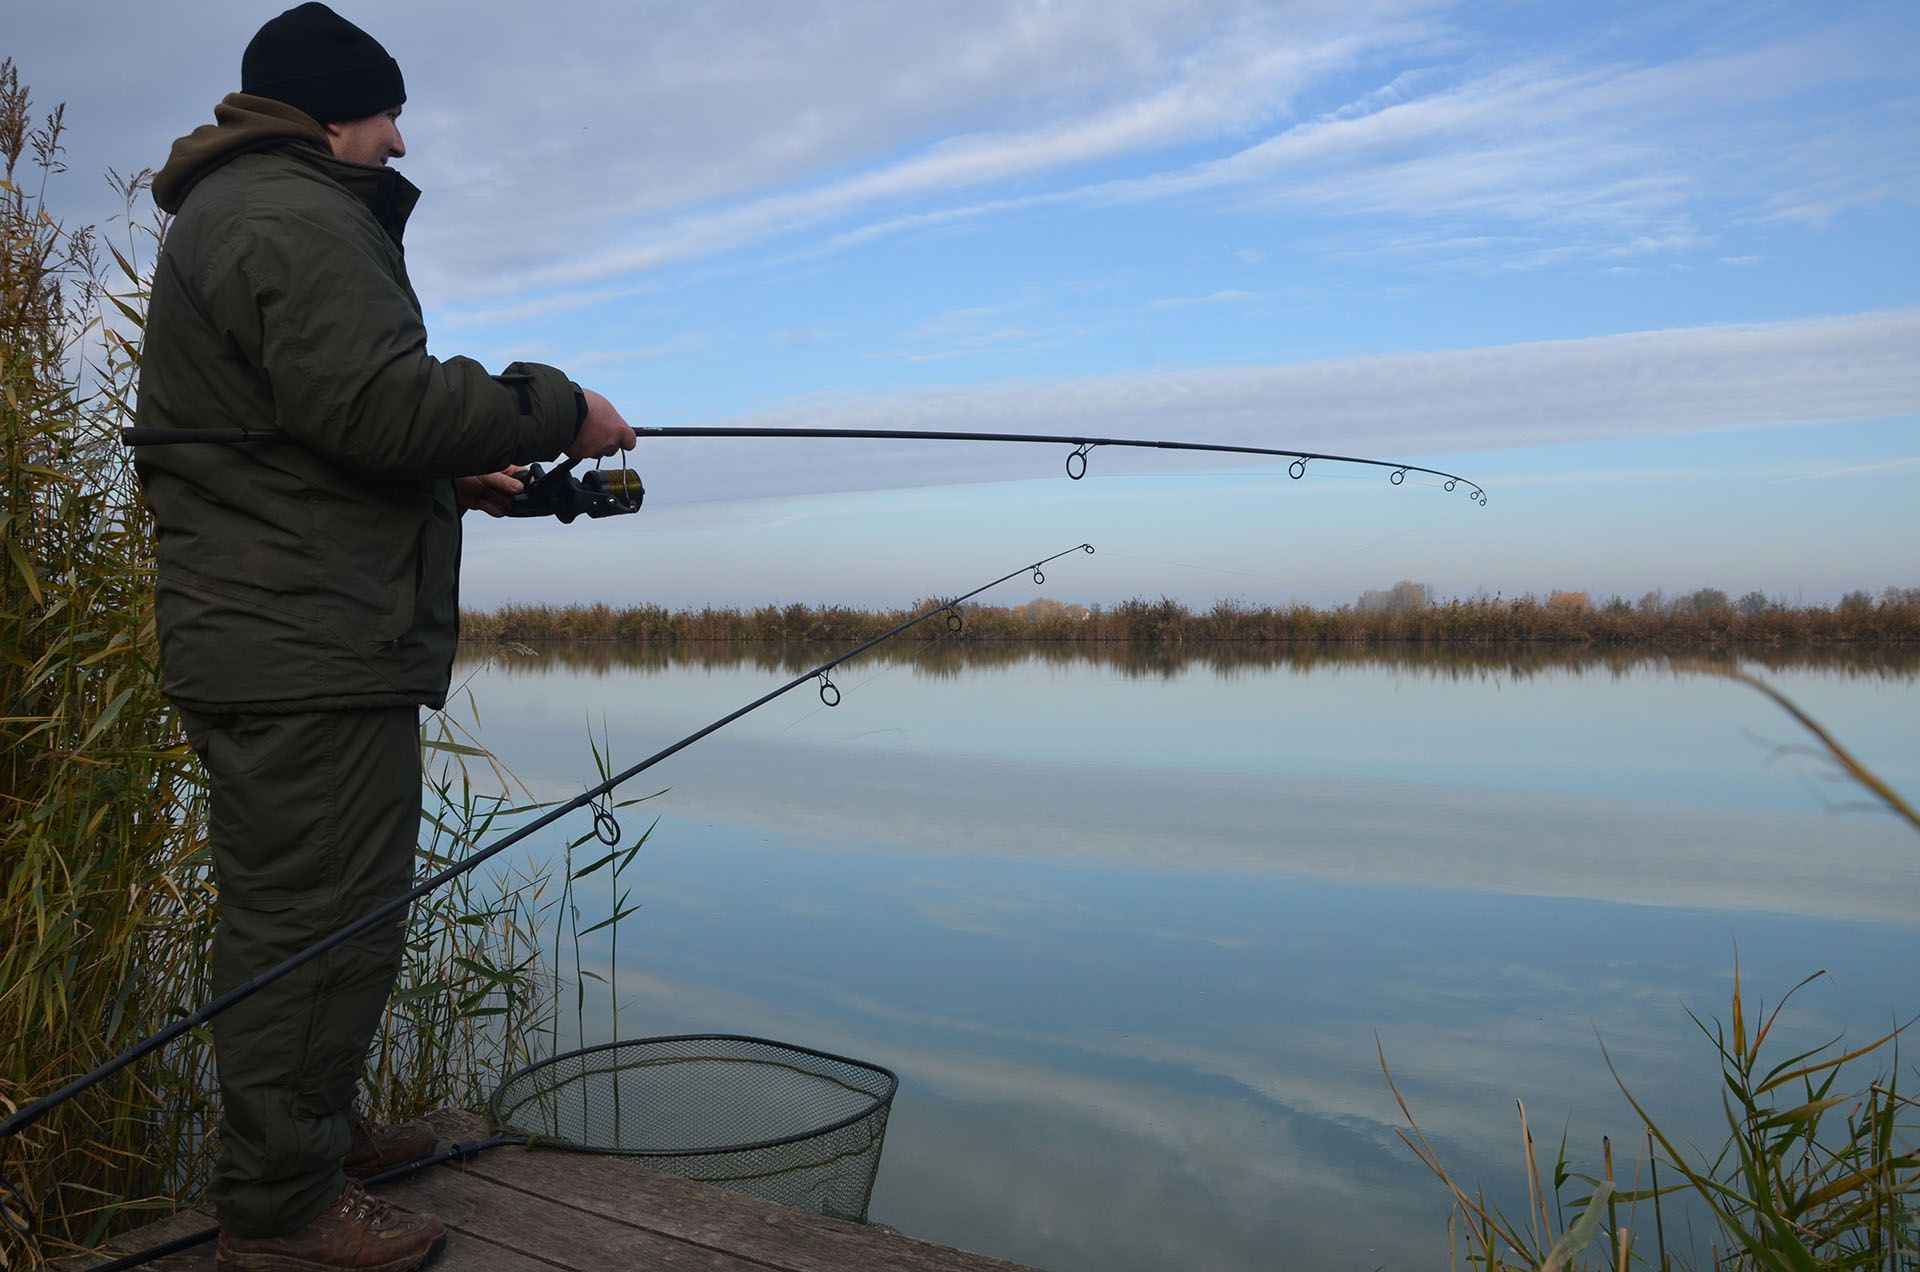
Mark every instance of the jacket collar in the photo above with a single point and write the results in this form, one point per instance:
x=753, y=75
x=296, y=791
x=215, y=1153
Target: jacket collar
x=387, y=194
x=245, y=123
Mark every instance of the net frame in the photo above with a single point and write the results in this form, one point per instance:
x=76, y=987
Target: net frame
x=847, y=1173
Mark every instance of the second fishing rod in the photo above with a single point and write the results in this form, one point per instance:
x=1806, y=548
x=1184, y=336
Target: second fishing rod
x=31, y=1113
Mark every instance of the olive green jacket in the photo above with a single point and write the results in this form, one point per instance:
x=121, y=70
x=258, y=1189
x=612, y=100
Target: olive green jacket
x=323, y=571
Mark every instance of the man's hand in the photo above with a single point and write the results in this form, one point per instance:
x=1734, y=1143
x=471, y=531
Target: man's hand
x=603, y=433
x=489, y=492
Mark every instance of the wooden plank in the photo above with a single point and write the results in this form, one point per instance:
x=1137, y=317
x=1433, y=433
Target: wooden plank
x=554, y=1229
x=774, y=1235
x=516, y=1210
x=467, y=1252
x=186, y=1222
x=771, y=1235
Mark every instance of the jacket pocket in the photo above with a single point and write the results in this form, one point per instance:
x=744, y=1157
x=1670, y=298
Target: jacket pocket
x=406, y=593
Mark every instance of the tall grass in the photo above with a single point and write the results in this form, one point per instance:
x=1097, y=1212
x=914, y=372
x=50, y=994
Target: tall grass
x=1820, y=1167
x=470, y=1003
x=104, y=891
x=107, y=900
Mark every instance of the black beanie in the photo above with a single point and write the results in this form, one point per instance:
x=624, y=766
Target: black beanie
x=314, y=60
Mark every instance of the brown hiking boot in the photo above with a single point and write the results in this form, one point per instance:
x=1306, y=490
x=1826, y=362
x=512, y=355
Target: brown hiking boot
x=357, y=1233
x=376, y=1148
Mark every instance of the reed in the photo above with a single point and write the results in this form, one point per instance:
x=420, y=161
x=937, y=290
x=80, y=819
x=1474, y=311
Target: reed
x=470, y=1002
x=1820, y=1168
x=104, y=891
x=107, y=900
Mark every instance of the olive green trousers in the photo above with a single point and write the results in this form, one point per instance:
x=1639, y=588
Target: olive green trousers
x=313, y=823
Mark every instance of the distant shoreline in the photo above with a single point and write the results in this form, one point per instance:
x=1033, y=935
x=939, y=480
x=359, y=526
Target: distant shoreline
x=1690, y=625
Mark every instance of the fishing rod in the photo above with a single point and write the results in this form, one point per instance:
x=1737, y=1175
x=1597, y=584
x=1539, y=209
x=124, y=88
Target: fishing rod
x=1083, y=446
x=612, y=499
x=605, y=828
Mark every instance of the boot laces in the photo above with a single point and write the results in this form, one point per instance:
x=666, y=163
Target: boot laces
x=359, y=1206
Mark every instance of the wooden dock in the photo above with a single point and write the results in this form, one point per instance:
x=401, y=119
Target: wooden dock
x=521, y=1210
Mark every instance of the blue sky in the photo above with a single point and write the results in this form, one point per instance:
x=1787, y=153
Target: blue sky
x=1648, y=272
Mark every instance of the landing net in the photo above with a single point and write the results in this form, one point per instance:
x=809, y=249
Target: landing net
x=790, y=1124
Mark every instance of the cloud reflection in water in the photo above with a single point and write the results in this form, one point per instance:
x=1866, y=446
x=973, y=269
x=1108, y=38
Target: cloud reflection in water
x=1134, y=1005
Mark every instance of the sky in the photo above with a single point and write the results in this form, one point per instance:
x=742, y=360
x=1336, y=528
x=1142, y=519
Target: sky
x=1647, y=273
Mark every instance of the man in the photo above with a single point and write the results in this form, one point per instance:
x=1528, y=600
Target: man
x=307, y=597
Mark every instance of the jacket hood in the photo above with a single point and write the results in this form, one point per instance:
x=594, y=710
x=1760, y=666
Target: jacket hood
x=242, y=124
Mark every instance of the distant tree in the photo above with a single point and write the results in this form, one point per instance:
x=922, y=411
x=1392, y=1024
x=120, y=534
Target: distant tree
x=1618, y=605
x=1403, y=597
x=1708, y=600
x=1568, y=602
x=1654, y=604
x=1895, y=596
x=1856, y=601
x=1041, y=609
x=1753, y=603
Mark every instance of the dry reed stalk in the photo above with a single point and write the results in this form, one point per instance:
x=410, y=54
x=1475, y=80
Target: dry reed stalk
x=1536, y=1196
x=103, y=883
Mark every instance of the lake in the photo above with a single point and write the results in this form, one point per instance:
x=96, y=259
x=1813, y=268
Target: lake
x=1133, y=930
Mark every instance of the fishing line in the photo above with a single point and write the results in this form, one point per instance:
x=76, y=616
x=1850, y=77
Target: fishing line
x=718, y=768
x=829, y=694
x=789, y=726
x=1275, y=578
x=951, y=627
x=1189, y=565
x=1398, y=534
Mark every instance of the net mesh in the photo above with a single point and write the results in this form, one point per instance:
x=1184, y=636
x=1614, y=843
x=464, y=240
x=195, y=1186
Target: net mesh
x=786, y=1123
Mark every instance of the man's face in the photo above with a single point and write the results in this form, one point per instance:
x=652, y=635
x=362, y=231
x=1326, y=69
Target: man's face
x=372, y=140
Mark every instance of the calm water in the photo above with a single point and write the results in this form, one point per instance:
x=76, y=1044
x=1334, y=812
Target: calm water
x=1131, y=934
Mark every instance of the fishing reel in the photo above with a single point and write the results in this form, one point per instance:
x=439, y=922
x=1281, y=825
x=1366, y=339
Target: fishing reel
x=603, y=492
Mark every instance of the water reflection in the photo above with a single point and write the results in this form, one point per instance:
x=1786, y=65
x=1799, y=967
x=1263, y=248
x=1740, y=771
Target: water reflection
x=947, y=656
x=1127, y=930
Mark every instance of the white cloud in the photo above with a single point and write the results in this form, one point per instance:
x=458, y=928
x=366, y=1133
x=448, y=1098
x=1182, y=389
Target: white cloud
x=1583, y=158
x=1227, y=296
x=616, y=140
x=686, y=342
x=1574, y=160
x=1200, y=76
x=1639, y=384
x=544, y=305
x=584, y=140
x=1827, y=472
